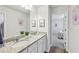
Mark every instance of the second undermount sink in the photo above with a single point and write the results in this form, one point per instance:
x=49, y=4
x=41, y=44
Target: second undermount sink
x=22, y=41
x=22, y=38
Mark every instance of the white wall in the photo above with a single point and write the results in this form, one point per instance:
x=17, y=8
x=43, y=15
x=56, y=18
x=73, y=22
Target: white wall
x=33, y=16
x=12, y=17
x=37, y=13
x=73, y=33
x=43, y=14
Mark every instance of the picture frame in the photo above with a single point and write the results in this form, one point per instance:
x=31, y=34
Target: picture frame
x=42, y=22
x=33, y=23
x=75, y=15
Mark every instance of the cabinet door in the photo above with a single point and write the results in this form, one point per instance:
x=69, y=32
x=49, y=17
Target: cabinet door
x=24, y=51
x=33, y=51
x=32, y=48
x=44, y=43
x=40, y=46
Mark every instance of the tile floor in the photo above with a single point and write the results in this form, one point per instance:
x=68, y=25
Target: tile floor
x=57, y=50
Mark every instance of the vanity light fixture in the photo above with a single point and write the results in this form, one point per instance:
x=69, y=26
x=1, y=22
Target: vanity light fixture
x=27, y=7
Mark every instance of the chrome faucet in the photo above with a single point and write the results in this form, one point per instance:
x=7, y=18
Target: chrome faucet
x=17, y=39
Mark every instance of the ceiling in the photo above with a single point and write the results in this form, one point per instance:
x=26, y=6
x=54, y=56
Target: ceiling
x=18, y=8
x=22, y=9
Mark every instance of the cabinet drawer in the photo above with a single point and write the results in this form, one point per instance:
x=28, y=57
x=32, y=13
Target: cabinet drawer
x=32, y=47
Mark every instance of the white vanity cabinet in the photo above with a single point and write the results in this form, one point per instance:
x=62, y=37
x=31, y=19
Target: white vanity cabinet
x=24, y=51
x=32, y=48
x=38, y=46
x=42, y=45
x=44, y=41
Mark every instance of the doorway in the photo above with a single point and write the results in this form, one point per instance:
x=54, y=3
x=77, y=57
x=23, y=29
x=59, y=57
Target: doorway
x=59, y=27
x=57, y=30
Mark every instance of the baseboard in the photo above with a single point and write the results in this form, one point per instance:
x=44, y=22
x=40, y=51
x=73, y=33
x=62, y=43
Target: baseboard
x=65, y=51
x=48, y=49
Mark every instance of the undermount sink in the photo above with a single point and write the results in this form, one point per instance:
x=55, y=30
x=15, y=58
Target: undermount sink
x=22, y=41
x=19, y=44
x=16, y=43
x=22, y=38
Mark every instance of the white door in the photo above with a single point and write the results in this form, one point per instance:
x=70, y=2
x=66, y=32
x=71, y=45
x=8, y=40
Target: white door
x=57, y=27
x=66, y=33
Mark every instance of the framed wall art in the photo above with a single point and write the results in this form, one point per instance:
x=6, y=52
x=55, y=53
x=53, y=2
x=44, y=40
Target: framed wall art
x=75, y=15
x=42, y=22
x=33, y=23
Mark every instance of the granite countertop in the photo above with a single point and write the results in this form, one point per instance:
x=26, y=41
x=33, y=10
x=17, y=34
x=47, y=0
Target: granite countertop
x=12, y=47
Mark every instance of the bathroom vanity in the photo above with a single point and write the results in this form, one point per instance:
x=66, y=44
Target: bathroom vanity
x=33, y=44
